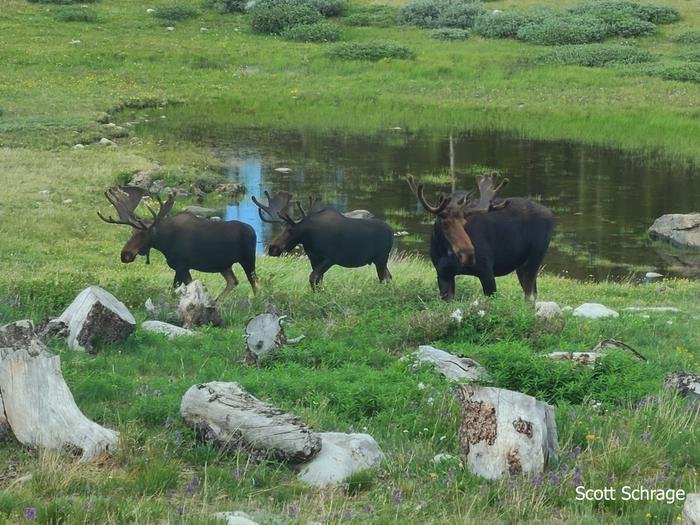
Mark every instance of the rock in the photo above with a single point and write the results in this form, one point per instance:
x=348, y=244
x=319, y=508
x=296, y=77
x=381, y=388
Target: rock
x=263, y=334
x=452, y=367
x=169, y=330
x=149, y=10
x=582, y=358
x=170, y=28
x=651, y=309
x=67, y=201
x=505, y=433
x=547, y=309
x=230, y=188
x=199, y=211
x=653, y=276
x=341, y=456
x=685, y=384
x=180, y=193
x=681, y=230
x=283, y=170
x=36, y=403
x=196, y=307
x=157, y=186
x=74, y=41
x=691, y=510
x=359, y=214
x=106, y=142
x=235, y=518
x=443, y=457
x=152, y=308
x=143, y=179
x=215, y=218
x=52, y=328
x=401, y=233
x=79, y=146
x=594, y=311
x=96, y=314
x=233, y=418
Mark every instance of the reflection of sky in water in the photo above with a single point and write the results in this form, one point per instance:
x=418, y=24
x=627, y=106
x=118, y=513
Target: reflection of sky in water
x=249, y=172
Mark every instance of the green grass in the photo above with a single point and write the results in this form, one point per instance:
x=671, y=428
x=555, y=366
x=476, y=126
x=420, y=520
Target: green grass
x=347, y=374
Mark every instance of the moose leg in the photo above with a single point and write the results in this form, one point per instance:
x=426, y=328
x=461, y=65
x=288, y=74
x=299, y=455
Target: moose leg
x=527, y=275
x=488, y=283
x=317, y=273
x=231, y=282
x=383, y=271
x=249, y=269
x=182, y=277
x=446, y=284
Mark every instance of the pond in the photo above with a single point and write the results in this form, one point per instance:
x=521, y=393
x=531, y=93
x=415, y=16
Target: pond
x=604, y=199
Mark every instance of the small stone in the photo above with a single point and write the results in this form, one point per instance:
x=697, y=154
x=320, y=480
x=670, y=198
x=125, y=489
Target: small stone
x=67, y=201
x=106, y=142
x=215, y=218
x=170, y=28
x=75, y=41
x=169, y=330
x=44, y=192
x=401, y=233
x=235, y=518
x=594, y=311
x=582, y=358
x=283, y=170
x=79, y=146
x=653, y=276
x=443, y=457
x=149, y=10
x=547, y=309
x=203, y=29
x=454, y=368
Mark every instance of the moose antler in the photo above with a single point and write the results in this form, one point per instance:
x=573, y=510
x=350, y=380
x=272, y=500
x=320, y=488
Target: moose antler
x=277, y=205
x=489, y=186
x=126, y=199
x=314, y=206
x=418, y=191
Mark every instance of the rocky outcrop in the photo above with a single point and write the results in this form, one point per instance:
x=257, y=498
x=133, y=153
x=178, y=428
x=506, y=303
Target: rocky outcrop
x=680, y=230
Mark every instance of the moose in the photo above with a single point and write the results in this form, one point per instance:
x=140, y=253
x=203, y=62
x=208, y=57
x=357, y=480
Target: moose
x=328, y=236
x=188, y=242
x=486, y=237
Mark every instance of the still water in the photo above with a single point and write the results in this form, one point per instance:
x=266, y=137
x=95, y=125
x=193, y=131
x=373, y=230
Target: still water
x=603, y=199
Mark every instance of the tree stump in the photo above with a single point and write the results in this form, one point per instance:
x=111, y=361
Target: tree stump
x=38, y=404
x=96, y=315
x=229, y=415
x=504, y=432
x=263, y=334
x=196, y=308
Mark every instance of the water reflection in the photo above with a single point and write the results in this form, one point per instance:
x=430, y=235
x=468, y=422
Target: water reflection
x=604, y=200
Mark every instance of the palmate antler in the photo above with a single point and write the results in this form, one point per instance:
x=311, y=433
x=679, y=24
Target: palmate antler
x=126, y=199
x=489, y=186
x=417, y=189
x=277, y=206
x=314, y=206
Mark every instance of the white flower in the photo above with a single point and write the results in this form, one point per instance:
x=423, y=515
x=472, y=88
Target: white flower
x=421, y=386
x=481, y=313
x=430, y=401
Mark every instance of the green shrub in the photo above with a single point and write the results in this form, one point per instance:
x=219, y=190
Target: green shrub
x=562, y=29
x=175, y=12
x=440, y=13
x=318, y=32
x=75, y=14
x=500, y=25
x=372, y=50
x=693, y=55
x=330, y=8
x=227, y=6
x=613, y=9
x=595, y=55
x=627, y=26
x=689, y=37
x=62, y=2
x=376, y=15
x=449, y=33
x=683, y=72
x=274, y=16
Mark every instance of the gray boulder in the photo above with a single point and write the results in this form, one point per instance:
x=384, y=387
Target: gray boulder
x=691, y=510
x=95, y=314
x=594, y=311
x=685, y=384
x=452, y=367
x=169, y=330
x=505, y=433
x=547, y=309
x=341, y=455
x=359, y=214
x=235, y=518
x=680, y=230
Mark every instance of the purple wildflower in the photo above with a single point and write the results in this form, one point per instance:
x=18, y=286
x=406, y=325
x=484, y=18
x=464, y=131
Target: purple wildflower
x=667, y=468
x=536, y=481
x=554, y=479
x=236, y=473
x=645, y=436
x=87, y=505
x=577, y=479
x=369, y=509
x=348, y=514
x=192, y=485
x=178, y=439
x=180, y=510
x=397, y=496
x=293, y=510
x=30, y=513
x=563, y=468
x=613, y=478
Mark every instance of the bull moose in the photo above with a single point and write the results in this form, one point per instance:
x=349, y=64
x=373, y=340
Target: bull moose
x=188, y=242
x=328, y=237
x=487, y=237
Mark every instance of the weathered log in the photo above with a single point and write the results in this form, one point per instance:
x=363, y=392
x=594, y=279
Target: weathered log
x=341, y=456
x=96, y=315
x=196, y=307
x=235, y=419
x=582, y=358
x=504, y=432
x=451, y=366
x=38, y=404
x=263, y=334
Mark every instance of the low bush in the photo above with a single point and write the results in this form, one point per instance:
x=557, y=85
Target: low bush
x=500, y=25
x=274, y=16
x=62, y=2
x=441, y=13
x=557, y=30
x=612, y=9
x=227, y=6
x=376, y=15
x=372, y=50
x=175, y=12
x=688, y=37
x=449, y=33
x=318, y=32
x=628, y=27
x=682, y=72
x=75, y=14
x=330, y=8
x=595, y=55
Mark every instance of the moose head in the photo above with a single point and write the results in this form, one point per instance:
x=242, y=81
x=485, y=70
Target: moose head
x=125, y=200
x=278, y=210
x=453, y=212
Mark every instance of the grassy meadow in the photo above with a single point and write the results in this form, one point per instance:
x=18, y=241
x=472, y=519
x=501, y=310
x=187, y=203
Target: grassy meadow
x=616, y=424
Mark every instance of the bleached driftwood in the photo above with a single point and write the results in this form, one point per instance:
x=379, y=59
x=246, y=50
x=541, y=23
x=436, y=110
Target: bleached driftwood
x=582, y=358
x=196, y=307
x=95, y=314
x=454, y=368
x=263, y=334
x=504, y=432
x=235, y=419
x=38, y=404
